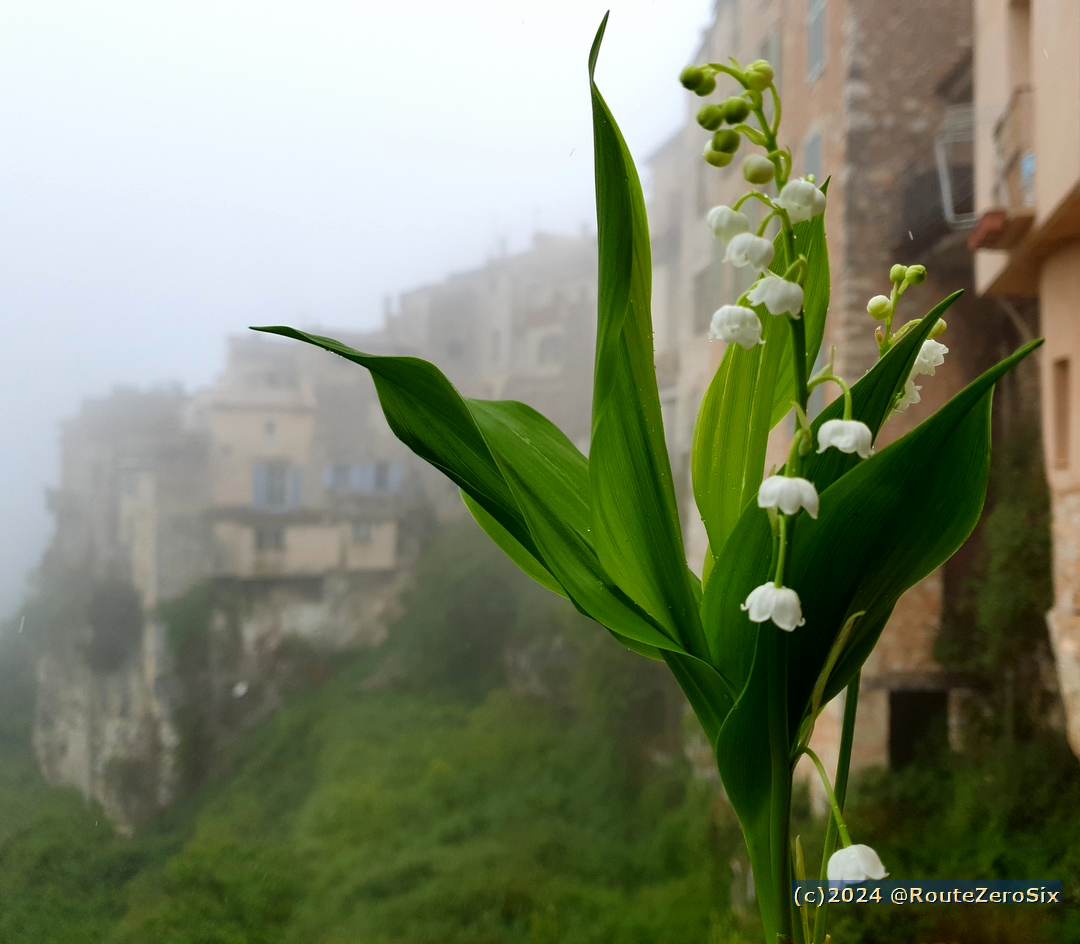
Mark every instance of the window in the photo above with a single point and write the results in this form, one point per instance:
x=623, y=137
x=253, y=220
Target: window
x=1062, y=418
x=276, y=485
x=339, y=476
x=361, y=532
x=269, y=539
x=815, y=39
x=365, y=478
x=382, y=476
x=550, y=351
x=812, y=155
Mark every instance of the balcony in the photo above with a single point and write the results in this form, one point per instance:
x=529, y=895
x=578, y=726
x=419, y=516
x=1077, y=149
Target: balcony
x=1008, y=221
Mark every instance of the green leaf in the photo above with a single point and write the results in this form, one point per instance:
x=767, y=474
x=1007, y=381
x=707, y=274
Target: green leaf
x=429, y=416
x=514, y=465
x=549, y=480
x=635, y=517
x=512, y=548
x=743, y=563
x=740, y=406
x=885, y=526
x=753, y=756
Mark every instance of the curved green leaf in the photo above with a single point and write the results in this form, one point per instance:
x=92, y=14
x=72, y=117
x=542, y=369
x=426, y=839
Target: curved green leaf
x=517, y=467
x=635, y=521
x=885, y=526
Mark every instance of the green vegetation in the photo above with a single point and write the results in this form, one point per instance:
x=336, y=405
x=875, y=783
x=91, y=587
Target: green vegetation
x=525, y=786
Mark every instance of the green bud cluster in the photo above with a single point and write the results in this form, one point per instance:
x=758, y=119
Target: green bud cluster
x=734, y=110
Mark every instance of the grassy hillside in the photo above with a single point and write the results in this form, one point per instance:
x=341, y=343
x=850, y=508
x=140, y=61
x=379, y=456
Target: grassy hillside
x=448, y=805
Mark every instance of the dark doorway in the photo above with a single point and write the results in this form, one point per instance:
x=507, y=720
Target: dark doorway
x=918, y=725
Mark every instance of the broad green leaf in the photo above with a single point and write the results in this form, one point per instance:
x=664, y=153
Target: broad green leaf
x=635, y=520
x=539, y=572
x=512, y=548
x=709, y=695
x=429, y=416
x=548, y=478
x=744, y=560
x=740, y=406
x=753, y=756
x=529, y=480
x=885, y=526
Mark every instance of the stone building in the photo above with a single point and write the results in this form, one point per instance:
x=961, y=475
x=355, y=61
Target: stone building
x=878, y=101
x=282, y=487
x=1027, y=252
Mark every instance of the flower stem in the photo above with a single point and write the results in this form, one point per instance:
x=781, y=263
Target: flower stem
x=843, y=766
x=833, y=803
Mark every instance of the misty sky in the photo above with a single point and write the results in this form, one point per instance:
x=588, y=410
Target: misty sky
x=171, y=172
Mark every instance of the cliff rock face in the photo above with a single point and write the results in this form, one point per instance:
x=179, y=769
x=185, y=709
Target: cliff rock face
x=133, y=736
x=108, y=733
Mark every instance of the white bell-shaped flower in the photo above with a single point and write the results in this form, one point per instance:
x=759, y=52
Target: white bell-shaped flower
x=736, y=323
x=909, y=397
x=855, y=863
x=931, y=356
x=779, y=296
x=802, y=200
x=788, y=494
x=779, y=604
x=727, y=223
x=748, y=249
x=845, y=435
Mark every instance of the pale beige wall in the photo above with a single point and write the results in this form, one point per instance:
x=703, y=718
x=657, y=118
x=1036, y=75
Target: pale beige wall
x=239, y=441
x=1055, y=65
x=1059, y=297
x=235, y=549
x=312, y=549
x=380, y=553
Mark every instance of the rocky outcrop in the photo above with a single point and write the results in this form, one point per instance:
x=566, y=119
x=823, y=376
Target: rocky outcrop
x=135, y=732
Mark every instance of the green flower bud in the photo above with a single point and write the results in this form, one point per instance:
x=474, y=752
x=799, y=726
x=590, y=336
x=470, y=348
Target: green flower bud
x=915, y=274
x=736, y=109
x=897, y=273
x=726, y=140
x=691, y=77
x=758, y=169
x=707, y=86
x=938, y=328
x=759, y=75
x=879, y=307
x=710, y=117
x=715, y=157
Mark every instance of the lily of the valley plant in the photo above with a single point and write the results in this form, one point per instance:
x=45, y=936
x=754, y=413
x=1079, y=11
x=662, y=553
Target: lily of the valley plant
x=804, y=565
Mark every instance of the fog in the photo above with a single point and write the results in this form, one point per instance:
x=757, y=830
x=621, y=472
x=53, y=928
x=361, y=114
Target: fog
x=171, y=173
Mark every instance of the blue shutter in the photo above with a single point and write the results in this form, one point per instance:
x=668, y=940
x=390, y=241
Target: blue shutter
x=397, y=474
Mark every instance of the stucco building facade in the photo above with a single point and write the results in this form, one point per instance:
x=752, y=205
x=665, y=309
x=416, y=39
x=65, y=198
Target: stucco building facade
x=1027, y=252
